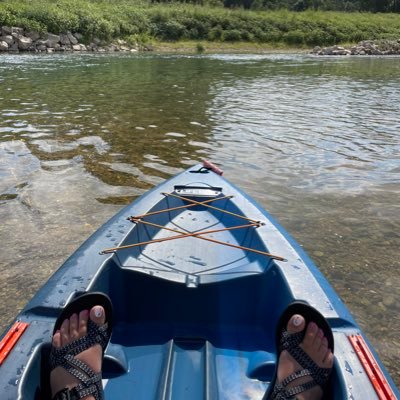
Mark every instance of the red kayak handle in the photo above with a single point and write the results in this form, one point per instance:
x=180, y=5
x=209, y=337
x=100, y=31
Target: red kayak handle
x=212, y=167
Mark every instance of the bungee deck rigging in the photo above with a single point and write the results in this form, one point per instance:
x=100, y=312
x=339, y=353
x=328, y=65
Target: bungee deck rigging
x=198, y=234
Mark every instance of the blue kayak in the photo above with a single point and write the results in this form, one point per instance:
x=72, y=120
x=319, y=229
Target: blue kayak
x=198, y=275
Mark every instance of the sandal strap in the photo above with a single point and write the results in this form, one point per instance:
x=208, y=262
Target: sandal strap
x=95, y=335
x=90, y=382
x=281, y=392
x=66, y=394
x=290, y=342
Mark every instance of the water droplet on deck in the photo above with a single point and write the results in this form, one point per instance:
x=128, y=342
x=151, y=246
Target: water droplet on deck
x=347, y=367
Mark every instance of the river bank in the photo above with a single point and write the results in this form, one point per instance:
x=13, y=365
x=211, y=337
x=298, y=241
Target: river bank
x=100, y=24
x=18, y=39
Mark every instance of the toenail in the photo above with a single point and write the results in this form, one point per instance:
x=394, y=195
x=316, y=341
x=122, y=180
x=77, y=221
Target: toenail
x=98, y=312
x=313, y=326
x=297, y=320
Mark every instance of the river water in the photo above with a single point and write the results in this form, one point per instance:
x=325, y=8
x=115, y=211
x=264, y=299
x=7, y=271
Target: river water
x=316, y=141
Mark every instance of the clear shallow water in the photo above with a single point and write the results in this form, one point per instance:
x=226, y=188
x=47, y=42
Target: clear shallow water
x=316, y=141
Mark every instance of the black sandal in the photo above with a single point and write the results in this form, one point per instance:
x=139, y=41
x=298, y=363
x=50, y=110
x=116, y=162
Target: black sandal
x=290, y=342
x=91, y=382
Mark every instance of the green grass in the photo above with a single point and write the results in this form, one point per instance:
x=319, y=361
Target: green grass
x=142, y=22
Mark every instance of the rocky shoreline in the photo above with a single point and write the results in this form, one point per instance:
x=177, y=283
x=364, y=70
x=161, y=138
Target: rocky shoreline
x=366, y=47
x=15, y=40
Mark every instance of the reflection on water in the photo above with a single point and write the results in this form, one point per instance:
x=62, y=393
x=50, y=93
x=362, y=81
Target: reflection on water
x=314, y=140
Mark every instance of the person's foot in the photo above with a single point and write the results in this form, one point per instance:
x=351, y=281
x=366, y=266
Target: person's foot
x=315, y=344
x=72, y=329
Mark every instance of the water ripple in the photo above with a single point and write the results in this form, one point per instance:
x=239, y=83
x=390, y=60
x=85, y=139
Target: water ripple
x=315, y=125
x=314, y=140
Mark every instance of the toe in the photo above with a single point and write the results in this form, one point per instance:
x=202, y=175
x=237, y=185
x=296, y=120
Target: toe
x=311, y=333
x=324, y=345
x=328, y=360
x=73, y=327
x=296, y=324
x=56, y=342
x=97, y=315
x=318, y=339
x=64, y=332
x=82, y=324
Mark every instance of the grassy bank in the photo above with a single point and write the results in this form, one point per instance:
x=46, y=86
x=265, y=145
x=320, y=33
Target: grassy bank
x=145, y=22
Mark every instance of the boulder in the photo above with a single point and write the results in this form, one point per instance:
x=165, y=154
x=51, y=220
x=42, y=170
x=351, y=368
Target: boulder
x=79, y=47
x=14, y=48
x=3, y=45
x=52, y=40
x=64, y=39
x=33, y=35
x=72, y=38
x=24, y=43
x=17, y=31
x=8, y=39
x=66, y=47
x=6, y=30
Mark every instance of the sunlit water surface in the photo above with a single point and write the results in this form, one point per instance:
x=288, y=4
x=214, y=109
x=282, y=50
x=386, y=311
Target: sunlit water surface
x=316, y=141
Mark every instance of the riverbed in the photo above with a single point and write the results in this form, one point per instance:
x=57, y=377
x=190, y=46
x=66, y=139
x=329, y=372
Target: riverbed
x=315, y=140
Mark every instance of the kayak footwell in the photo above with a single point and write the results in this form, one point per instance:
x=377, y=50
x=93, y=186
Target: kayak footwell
x=193, y=369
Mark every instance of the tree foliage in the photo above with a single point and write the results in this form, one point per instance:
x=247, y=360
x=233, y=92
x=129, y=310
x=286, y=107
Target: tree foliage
x=300, y=5
x=108, y=20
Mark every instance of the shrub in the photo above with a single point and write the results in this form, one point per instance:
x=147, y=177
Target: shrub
x=170, y=30
x=232, y=35
x=294, y=37
x=122, y=18
x=319, y=37
x=200, y=48
x=215, y=33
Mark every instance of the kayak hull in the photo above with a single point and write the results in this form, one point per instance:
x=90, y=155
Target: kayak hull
x=195, y=316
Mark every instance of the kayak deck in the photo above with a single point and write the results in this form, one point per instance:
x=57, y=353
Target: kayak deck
x=209, y=243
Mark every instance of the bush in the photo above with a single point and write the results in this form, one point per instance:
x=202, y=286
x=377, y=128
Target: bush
x=200, y=48
x=124, y=18
x=232, y=35
x=215, y=33
x=319, y=37
x=170, y=30
x=294, y=37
